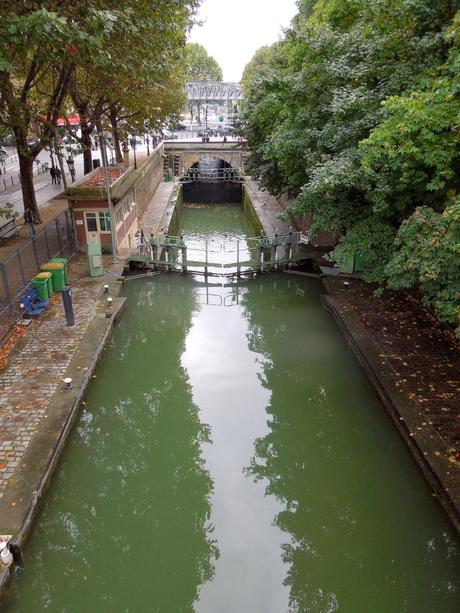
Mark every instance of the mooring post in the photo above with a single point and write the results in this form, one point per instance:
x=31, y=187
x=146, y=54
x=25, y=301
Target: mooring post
x=206, y=259
x=167, y=253
x=274, y=242
x=260, y=254
x=184, y=255
x=153, y=248
x=238, y=258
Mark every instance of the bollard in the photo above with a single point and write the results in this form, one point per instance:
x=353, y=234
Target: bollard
x=68, y=308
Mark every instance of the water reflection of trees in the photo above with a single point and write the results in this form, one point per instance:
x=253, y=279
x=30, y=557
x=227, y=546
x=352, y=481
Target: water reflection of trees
x=338, y=553
x=127, y=526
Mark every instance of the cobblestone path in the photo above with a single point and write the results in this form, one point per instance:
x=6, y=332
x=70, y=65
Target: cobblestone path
x=34, y=373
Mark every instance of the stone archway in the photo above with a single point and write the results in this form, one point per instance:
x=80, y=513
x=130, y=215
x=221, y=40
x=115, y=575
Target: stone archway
x=191, y=158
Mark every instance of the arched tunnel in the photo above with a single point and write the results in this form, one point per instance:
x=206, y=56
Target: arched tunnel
x=211, y=181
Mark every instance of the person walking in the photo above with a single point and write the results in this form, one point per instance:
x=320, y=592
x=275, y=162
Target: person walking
x=58, y=175
x=53, y=175
x=30, y=219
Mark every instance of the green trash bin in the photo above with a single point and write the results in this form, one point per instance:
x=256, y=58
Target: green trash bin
x=58, y=276
x=49, y=280
x=64, y=261
x=40, y=284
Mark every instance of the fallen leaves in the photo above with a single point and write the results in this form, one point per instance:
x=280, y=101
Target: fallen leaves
x=17, y=333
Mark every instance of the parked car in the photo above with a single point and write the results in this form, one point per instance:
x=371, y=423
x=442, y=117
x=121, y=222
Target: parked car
x=3, y=153
x=33, y=141
x=180, y=126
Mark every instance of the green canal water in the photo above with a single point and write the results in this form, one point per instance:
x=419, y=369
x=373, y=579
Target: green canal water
x=232, y=458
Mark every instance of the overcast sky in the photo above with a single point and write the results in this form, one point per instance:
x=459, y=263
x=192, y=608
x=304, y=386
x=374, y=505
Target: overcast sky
x=232, y=31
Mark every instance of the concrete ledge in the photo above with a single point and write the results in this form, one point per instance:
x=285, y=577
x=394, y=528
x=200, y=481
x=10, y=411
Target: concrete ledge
x=22, y=499
x=396, y=407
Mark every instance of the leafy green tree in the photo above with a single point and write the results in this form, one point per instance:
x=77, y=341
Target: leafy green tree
x=200, y=67
x=40, y=48
x=353, y=115
x=427, y=255
x=90, y=48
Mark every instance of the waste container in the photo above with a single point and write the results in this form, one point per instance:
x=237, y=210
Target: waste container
x=64, y=261
x=58, y=274
x=96, y=163
x=43, y=285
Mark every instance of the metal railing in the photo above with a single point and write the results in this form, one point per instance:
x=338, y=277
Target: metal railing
x=214, y=175
x=236, y=256
x=16, y=271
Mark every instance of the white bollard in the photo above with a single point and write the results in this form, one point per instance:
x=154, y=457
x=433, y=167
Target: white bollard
x=6, y=556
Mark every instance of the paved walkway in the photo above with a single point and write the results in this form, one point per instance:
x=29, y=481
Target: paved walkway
x=34, y=376
x=154, y=215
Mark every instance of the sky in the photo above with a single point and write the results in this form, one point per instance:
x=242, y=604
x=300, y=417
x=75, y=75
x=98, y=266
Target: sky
x=232, y=31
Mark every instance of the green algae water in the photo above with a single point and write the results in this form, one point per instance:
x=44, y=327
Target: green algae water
x=232, y=457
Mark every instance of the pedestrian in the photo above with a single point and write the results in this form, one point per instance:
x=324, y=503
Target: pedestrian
x=53, y=175
x=30, y=219
x=225, y=138
x=58, y=175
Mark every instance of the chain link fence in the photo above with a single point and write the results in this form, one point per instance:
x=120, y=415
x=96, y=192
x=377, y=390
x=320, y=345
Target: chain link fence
x=56, y=239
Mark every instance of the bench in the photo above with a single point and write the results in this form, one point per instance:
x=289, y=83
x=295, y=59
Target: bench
x=8, y=230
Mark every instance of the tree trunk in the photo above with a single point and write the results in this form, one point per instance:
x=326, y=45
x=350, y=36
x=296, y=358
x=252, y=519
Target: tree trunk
x=26, y=169
x=116, y=135
x=26, y=166
x=86, y=144
x=61, y=166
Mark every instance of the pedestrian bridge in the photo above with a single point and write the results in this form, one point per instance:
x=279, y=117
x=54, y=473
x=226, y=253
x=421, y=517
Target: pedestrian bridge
x=235, y=257
x=181, y=156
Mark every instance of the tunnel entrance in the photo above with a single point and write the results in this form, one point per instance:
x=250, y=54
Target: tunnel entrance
x=212, y=181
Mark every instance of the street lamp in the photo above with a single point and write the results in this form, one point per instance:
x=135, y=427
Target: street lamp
x=206, y=109
x=133, y=147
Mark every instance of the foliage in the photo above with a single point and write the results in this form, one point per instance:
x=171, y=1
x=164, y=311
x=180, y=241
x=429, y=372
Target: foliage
x=354, y=115
x=100, y=50
x=200, y=65
x=7, y=211
x=427, y=254
x=373, y=241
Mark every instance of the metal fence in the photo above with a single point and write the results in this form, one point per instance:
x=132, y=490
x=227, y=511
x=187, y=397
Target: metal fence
x=56, y=239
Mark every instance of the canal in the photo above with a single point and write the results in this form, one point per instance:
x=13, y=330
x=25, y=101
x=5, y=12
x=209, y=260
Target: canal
x=231, y=457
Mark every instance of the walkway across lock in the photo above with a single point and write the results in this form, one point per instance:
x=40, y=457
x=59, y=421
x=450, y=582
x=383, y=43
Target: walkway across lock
x=255, y=254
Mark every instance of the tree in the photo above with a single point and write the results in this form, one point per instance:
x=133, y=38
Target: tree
x=39, y=51
x=200, y=67
x=355, y=116
x=47, y=50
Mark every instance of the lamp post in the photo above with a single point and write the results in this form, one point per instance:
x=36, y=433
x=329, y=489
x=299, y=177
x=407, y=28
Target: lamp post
x=133, y=146
x=109, y=193
x=147, y=140
x=206, y=109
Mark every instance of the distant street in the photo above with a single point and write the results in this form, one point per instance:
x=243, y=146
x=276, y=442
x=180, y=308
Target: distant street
x=10, y=188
